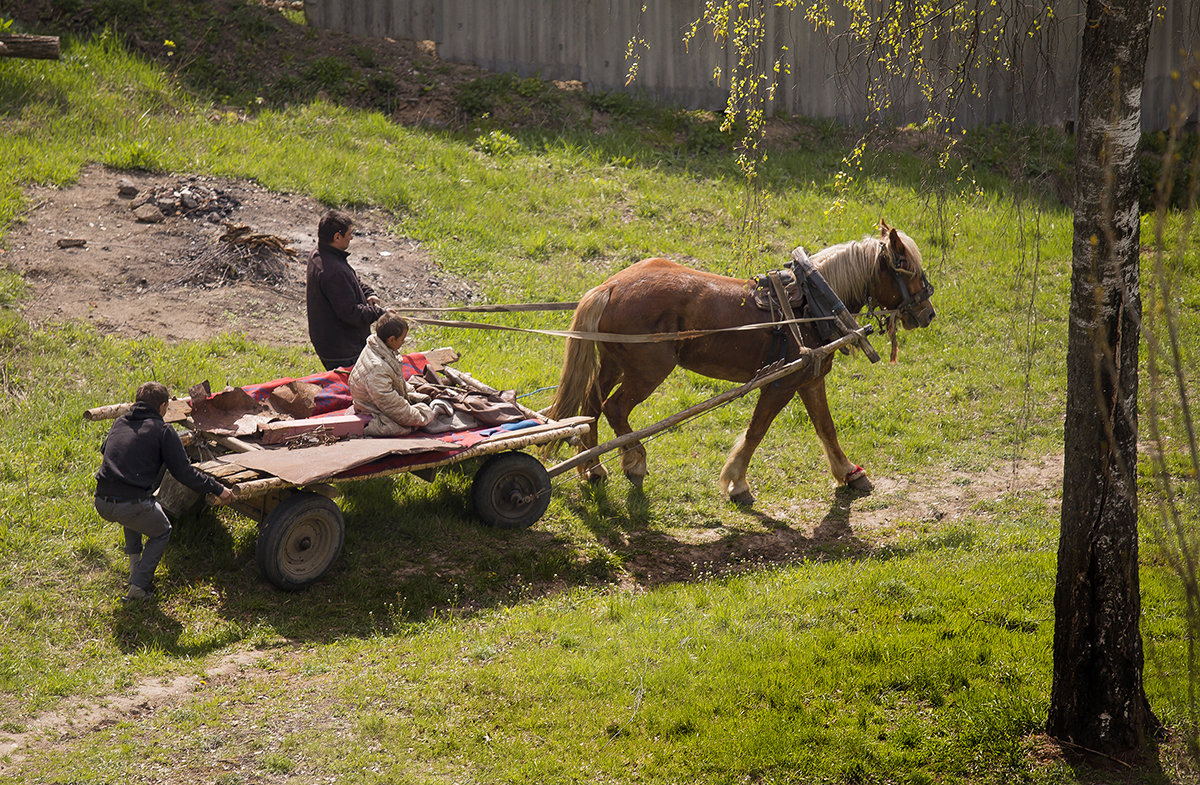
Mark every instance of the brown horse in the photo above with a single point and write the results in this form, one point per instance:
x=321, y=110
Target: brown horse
x=660, y=296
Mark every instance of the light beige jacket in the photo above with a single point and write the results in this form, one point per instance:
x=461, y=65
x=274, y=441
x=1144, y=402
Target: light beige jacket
x=378, y=388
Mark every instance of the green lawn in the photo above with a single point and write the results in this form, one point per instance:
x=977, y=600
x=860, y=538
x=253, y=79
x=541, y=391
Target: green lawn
x=587, y=648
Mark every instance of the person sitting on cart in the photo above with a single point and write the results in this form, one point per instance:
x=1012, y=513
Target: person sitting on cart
x=378, y=387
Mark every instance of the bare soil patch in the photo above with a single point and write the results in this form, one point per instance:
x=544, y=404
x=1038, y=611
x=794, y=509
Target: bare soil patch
x=140, y=279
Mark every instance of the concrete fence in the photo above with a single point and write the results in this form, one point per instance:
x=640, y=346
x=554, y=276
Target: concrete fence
x=586, y=40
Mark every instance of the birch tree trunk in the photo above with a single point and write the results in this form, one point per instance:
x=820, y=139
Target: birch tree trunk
x=1097, y=700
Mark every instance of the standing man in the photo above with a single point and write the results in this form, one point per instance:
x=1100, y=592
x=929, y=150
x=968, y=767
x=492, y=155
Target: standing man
x=139, y=446
x=341, y=309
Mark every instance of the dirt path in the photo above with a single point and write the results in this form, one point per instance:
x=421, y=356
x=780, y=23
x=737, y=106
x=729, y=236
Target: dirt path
x=60, y=727
x=851, y=522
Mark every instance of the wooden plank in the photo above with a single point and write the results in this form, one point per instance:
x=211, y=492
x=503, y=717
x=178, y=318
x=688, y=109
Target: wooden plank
x=219, y=469
x=337, y=426
x=245, y=475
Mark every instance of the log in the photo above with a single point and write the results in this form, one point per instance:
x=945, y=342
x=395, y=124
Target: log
x=31, y=47
x=233, y=443
x=798, y=365
x=177, y=411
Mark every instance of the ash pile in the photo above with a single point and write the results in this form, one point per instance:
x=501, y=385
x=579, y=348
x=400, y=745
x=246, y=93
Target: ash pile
x=240, y=254
x=187, y=198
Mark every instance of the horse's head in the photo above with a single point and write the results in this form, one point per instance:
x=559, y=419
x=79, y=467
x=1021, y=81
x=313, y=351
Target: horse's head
x=900, y=283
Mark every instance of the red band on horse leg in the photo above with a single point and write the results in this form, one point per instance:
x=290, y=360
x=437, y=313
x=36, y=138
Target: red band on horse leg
x=854, y=475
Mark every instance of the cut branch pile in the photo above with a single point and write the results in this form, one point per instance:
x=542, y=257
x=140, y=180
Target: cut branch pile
x=240, y=254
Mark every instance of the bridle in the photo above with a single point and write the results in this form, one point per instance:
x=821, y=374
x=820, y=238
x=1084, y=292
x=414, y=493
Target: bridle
x=909, y=302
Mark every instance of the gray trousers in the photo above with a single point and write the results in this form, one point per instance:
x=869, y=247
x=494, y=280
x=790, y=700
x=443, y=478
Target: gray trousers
x=139, y=518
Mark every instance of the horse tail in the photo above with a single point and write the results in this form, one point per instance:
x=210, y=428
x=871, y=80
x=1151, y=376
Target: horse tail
x=580, y=362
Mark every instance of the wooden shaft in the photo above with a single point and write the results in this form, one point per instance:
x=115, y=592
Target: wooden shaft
x=848, y=324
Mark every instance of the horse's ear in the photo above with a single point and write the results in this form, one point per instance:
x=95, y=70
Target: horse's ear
x=884, y=229
x=899, y=253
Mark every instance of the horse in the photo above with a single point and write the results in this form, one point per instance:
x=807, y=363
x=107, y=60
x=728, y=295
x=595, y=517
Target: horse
x=660, y=296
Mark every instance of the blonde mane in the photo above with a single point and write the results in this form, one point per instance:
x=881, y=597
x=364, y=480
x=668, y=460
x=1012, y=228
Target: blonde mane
x=849, y=267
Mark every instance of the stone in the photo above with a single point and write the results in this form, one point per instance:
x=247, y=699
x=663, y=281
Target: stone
x=149, y=214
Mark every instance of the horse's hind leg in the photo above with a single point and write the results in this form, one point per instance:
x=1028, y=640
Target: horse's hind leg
x=606, y=379
x=733, y=475
x=636, y=387
x=845, y=472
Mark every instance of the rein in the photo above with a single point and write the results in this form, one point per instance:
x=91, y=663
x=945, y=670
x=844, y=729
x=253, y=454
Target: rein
x=609, y=337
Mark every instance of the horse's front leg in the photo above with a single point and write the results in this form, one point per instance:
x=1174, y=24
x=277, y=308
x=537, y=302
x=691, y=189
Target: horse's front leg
x=771, y=401
x=845, y=472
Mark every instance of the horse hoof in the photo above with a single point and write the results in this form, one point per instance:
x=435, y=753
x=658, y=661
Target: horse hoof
x=859, y=481
x=743, y=499
x=595, y=475
x=636, y=480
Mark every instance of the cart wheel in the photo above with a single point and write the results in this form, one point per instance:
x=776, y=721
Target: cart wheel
x=511, y=490
x=299, y=540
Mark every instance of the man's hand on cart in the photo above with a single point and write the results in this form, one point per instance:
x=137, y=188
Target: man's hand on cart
x=227, y=496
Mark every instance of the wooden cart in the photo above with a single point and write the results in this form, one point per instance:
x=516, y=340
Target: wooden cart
x=301, y=528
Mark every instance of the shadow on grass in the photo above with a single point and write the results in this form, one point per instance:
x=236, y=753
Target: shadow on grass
x=1093, y=767
x=415, y=551
x=653, y=558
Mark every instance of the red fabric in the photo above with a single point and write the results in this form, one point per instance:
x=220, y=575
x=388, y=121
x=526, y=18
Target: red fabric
x=334, y=397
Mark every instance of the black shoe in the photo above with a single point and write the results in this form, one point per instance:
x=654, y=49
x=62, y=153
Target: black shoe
x=138, y=593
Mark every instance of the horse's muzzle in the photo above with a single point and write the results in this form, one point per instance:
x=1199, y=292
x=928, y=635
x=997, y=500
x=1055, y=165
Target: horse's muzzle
x=918, y=317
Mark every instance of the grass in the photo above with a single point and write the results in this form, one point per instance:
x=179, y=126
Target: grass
x=626, y=637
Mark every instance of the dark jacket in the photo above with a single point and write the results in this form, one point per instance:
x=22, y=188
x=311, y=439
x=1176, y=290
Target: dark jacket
x=339, y=318
x=137, y=447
